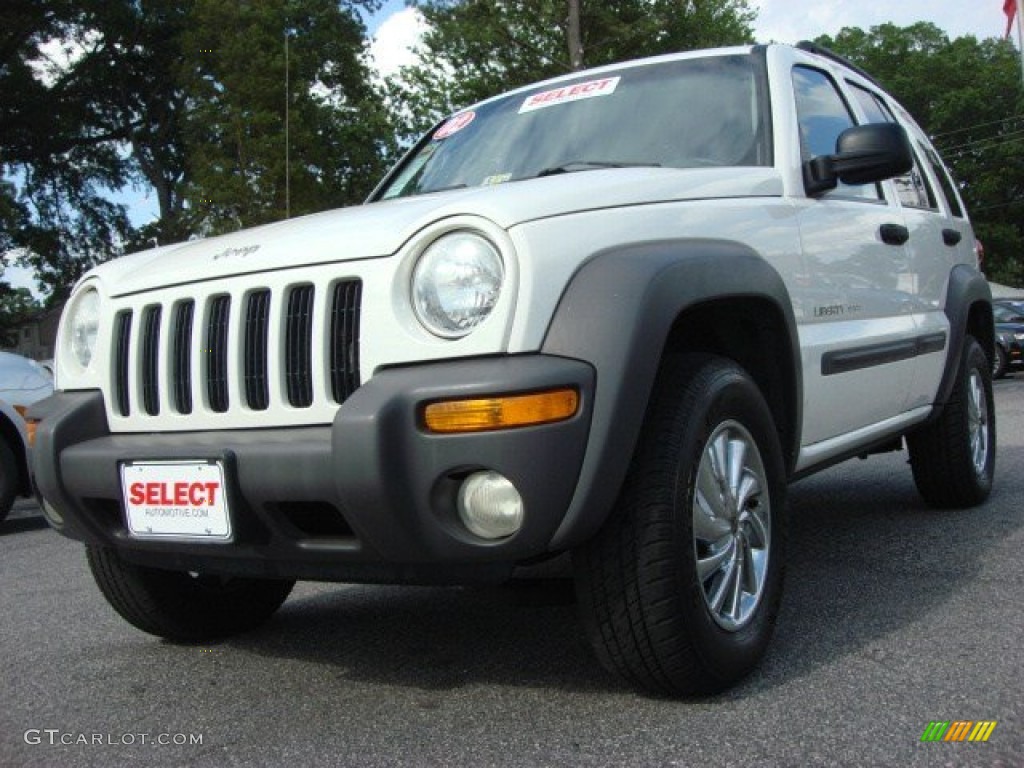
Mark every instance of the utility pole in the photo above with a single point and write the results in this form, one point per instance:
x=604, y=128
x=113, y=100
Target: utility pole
x=287, y=137
x=1020, y=37
x=575, y=36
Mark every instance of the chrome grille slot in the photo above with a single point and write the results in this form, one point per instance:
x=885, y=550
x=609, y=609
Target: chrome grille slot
x=257, y=327
x=344, y=341
x=150, y=360
x=217, y=353
x=181, y=357
x=298, y=345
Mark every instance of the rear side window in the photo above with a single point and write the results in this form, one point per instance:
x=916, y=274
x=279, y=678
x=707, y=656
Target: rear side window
x=873, y=107
x=823, y=114
x=946, y=183
x=914, y=189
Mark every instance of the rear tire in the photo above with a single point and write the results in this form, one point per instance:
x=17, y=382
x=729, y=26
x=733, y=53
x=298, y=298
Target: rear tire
x=184, y=607
x=999, y=363
x=953, y=457
x=9, y=478
x=680, y=590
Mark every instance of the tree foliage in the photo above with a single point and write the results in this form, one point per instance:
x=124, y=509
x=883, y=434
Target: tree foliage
x=58, y=137
x=477, y=48
x=16, y=306
x=186, y=99
x=182, y=97
x=967, y=95
x=234, y=71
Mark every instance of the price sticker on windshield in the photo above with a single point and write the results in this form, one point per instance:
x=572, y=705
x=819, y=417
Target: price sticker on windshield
x=588, y=90
x=454, y=125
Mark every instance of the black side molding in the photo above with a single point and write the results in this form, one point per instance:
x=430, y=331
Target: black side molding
x=858, y=358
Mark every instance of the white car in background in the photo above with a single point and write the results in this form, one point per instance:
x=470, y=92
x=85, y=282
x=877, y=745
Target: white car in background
x=22, y=382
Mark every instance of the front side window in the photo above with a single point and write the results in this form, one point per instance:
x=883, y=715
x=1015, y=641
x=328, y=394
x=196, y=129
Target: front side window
x=823, y=115
x=690, y=113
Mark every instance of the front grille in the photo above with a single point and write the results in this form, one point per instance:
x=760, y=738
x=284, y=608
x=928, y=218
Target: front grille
x=181, y=357
x=151, y=360
x=298, y=347
x=257, y=326
x=344, y=343
x=122, y=338
x=217, y=353
x=225, y=355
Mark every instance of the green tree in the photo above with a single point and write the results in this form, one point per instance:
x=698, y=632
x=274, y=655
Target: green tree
x=967, y=95
x=17, y=305
x=58, y=138
x=184, y=97
x=495, y=45
x=234, y=72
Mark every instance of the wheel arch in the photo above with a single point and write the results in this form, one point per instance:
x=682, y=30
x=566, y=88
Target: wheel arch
x=13, y=436
x=968, y=309
x=626, y=308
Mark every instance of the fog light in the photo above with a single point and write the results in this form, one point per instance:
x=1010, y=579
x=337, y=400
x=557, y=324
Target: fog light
x=490, y=506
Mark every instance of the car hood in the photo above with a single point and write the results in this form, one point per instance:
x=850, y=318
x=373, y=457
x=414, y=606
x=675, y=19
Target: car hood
x=380, y=229
x=22, y=381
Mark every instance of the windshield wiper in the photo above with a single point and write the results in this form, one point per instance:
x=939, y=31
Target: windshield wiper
x=591, y=165
x=440, y=189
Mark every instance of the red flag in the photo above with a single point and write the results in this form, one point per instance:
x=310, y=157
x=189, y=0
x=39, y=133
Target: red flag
x=1010, y=9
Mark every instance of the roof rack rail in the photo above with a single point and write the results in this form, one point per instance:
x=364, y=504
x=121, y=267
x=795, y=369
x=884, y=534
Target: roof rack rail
x=820, y=50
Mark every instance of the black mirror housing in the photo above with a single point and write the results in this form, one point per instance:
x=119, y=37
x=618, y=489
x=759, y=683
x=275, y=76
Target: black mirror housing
x=864, y=154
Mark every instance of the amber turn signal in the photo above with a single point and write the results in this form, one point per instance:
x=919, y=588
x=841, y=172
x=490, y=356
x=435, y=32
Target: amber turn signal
x=482, y=414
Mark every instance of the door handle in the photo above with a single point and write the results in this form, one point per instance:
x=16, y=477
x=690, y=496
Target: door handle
x=951, y=236
x=894, y=234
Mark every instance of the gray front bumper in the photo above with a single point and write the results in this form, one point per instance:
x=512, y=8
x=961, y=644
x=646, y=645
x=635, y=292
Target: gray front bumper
x=370, y=497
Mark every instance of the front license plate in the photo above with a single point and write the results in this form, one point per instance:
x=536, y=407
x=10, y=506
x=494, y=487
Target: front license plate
x=176, y=500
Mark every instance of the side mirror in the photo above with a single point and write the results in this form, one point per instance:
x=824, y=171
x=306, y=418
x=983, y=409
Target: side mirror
x=864, y=154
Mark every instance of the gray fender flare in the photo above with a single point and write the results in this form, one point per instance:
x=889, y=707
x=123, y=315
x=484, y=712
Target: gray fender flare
x=967, y=287
x=616, y=314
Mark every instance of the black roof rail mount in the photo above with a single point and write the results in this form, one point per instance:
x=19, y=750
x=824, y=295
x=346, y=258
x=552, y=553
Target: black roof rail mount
x=820, y=50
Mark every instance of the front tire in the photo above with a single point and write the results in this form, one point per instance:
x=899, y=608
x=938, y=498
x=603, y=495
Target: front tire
x=184, y=607
x=9, y=475
x=680, y=590
x=953, y=457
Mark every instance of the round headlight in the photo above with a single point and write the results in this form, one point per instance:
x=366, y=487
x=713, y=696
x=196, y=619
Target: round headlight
x=82, y=326
x=456, y=284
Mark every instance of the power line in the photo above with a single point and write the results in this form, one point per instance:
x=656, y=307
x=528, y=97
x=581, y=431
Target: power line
x=1018, y=116
x=986, y=143
x=974, y=210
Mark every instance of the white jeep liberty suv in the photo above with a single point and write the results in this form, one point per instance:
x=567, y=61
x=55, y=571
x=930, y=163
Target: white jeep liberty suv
x=611, y=314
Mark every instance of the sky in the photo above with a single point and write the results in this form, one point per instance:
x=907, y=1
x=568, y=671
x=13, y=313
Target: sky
x=395, y=29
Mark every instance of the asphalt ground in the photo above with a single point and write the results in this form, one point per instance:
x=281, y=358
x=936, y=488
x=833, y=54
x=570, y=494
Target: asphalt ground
x=894, y=616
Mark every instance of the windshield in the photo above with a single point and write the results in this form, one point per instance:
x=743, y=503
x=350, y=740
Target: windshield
x=691, y=113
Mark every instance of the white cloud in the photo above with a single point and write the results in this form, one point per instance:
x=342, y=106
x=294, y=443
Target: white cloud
x=392, y=45
x=788, y=21
x=58, y=56
x=783, y=21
